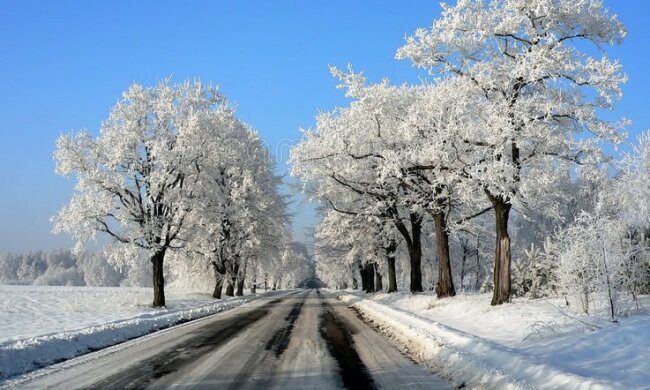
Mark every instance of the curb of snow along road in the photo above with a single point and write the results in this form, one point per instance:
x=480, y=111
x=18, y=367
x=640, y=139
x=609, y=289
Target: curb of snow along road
x=464, y=358
x=25, y=355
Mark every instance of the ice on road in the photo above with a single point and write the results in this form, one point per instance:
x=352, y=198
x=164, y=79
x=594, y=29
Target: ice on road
x=305, y=340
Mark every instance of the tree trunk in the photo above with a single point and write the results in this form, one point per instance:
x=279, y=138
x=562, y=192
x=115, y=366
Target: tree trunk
x=415, y=253
x=218, y=287
x=379, y=286
x=413, y=244
x=363, y=276
x=477, y=284
x=232, y=280
x=355, y=283
x=370, y=277
x=230, y=287
x=445, y=285
x=392, y=278
x=158, y=278
x=502, y=258
x=462, y=266
x=219, y=274
x=241, y=276
x=390, y=259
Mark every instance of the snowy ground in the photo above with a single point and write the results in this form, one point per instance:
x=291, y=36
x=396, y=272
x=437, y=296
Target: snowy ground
x=42, y=325
x=525, y=344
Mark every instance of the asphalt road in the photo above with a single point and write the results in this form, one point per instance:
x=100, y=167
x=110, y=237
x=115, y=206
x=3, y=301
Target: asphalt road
x=304, y=340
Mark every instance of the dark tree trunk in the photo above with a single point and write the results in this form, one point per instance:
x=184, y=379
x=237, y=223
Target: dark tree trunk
x=445, y=285
x=413, y=244
x=415, y=253
x=218, y=287
x=219, y=275
x=355, y=283
x=379, y=286
x=158, y=278
x=363, y=271
x=502, y=257
x=370, y=277
x=230, y=288
x=390, y=260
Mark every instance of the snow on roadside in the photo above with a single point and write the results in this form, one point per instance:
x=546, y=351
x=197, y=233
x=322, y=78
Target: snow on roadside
x=467, y=341
x=40, y=326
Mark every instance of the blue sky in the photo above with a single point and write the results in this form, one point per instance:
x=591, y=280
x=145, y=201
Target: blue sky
x=64, y=64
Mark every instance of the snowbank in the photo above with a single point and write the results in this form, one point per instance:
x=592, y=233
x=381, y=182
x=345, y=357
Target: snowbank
x=40, y=326
x=468, y=341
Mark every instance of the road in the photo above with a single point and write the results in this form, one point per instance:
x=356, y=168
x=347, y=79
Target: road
x=304, y=340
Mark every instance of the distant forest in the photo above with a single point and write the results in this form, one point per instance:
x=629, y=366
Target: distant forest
x=63, y=268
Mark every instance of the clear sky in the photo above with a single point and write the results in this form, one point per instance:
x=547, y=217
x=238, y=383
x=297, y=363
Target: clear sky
x=63, y=65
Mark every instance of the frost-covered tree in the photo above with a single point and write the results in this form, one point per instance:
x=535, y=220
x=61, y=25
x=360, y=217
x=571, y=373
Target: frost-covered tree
x=361, y=244
x=629, y=193
x=244, y=220
x=138, y=179
x=337, y=163
x=33, y=265
x=61, y=270
x=536, y=274
x=594, y=255
x=342, y=162
x=397, y=153
x=97, y=271
x=9, y=265
x=537, y=93
x=625, y=198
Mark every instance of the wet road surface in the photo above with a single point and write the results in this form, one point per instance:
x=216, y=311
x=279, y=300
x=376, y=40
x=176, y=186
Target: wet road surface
x=304, y=340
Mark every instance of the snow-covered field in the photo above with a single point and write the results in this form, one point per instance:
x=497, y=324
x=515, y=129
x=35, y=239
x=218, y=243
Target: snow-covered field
x=524, y=344
x=42, y=325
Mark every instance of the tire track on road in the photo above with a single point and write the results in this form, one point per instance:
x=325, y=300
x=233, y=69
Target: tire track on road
x=277, y=343
x=340, y=344
x=280, y=339
x=206, y=340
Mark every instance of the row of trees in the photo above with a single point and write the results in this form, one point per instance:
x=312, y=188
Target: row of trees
x=173, y=172
x=513, y=110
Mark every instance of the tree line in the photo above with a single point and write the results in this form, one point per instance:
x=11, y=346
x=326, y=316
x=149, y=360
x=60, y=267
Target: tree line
x=511, y=113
